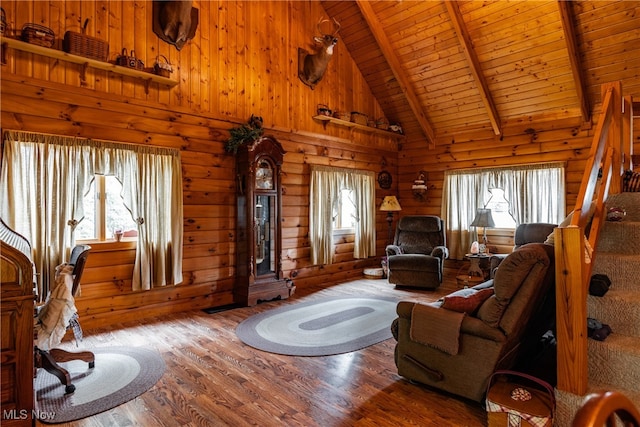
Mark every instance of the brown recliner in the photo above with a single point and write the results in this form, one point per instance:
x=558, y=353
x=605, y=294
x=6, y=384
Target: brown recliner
x=416, y=257
x=457, y=352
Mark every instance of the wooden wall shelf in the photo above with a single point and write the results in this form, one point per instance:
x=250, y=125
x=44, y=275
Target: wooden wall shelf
x=85, y=63
x=352, y=125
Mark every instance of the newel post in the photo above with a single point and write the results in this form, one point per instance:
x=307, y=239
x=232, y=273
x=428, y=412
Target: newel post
x=571, y=310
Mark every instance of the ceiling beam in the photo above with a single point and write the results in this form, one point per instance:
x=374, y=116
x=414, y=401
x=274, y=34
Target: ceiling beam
x=474, y=64
x=566, y=16
x=405, y=85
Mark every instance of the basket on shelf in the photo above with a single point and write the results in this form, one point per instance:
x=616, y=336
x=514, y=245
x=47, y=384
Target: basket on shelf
x=161, y=68
x=359, y=118
x=3, y=21
x=38, y=34
x=323, y=110
x=83, y=45
x=382, y=123
x=130, y=61
x=342, y=115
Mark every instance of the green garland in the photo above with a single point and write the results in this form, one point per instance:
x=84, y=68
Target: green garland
x=241, y=135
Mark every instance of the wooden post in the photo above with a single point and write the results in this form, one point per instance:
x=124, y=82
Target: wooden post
x=615, y=135
x=571, y=309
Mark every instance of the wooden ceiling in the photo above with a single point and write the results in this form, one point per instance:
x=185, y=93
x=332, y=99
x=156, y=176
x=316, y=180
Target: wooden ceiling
x=440, y=67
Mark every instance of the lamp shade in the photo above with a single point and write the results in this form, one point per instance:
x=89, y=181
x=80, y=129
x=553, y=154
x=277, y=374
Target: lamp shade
x=483, y=218
x=390, y=204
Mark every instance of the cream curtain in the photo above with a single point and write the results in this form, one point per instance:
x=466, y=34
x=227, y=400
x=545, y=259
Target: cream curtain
x=536, y=193
x=325, y=186
x=44, y=179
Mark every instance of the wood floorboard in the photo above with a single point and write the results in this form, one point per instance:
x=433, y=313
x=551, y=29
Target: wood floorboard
x=213, y=379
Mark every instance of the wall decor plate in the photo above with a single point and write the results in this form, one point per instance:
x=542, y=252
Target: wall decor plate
x=384, y=180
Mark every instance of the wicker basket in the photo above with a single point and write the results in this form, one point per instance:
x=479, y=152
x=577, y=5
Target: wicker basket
x=359, y=118
x=129, y=61
x=162, y=68
x=38, y=34
x=82, y=45
x=342, y=115
x=3, y=21
x=382, y=123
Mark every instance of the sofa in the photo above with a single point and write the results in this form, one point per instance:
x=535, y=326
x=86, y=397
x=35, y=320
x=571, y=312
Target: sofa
x=456, y=343
x=416, y=257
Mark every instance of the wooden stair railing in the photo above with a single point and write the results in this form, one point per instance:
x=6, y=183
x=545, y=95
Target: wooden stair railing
x=573, y=252
x=603, y=408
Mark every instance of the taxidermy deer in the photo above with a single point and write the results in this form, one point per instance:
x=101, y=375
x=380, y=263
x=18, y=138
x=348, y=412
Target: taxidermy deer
x=311, y=67
x=175, y=21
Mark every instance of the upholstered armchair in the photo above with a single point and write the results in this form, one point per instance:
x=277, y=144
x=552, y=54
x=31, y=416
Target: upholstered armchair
x=416, y=257
x=534, y=232
x=456, y=343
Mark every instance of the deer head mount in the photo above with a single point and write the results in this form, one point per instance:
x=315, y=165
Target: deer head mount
x=175, y=22
x=311, y=67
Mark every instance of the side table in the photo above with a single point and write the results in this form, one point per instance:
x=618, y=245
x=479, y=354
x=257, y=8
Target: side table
x=476, y=274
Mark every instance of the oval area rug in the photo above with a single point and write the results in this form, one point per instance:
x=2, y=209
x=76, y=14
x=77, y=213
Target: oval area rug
x=321, y=327
x=120, y=374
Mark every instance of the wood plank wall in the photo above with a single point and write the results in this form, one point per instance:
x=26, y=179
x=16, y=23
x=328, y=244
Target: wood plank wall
x=242, y=61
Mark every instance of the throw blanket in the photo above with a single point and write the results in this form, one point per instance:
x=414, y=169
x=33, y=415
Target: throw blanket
x=436, y=327
x=59, y=310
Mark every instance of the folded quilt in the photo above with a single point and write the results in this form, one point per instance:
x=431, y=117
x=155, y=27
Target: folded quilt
x=436, y=327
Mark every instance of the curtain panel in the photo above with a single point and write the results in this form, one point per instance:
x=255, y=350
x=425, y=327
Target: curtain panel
x=45, y=177
x=325, y=187
x=536, y=193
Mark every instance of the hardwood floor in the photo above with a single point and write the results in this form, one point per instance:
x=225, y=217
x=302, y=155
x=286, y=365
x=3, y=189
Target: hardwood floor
x=213, y=379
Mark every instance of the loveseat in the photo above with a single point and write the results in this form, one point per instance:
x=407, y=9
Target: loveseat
x=456, y=343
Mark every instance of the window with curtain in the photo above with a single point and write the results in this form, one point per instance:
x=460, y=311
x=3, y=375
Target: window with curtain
x=44, y=179
x=535, y=193
x=328, y=184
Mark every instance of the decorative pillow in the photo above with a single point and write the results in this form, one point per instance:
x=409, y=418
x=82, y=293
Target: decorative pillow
x=631, y=181
x=466, y=302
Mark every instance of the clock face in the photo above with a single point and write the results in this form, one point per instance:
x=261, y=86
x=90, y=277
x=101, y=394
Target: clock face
x=264, y=176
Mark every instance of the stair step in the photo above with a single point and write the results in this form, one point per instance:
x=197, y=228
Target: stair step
x=615, y=361
x=619, y=309
x=620, y=237
x=567, y=404
x=622, y=269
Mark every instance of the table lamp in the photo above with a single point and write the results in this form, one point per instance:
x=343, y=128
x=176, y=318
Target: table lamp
x=390, y=205
x=483, y=219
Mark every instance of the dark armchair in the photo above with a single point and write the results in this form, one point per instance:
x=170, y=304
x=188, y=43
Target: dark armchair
x=535, y=232
x=416, y=257
x=456, y=343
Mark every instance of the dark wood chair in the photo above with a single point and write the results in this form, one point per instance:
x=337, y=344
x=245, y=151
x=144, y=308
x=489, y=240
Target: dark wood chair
x=49, y=359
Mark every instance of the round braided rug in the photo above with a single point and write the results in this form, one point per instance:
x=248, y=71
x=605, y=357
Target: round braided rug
x=120, y=374
x=321, y=327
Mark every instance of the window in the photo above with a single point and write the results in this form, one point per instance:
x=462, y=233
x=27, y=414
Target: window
x=345, y=217
x=104, y=211
x=43, y=185
x=341, y=197
x=499, y=206
x=522, y=194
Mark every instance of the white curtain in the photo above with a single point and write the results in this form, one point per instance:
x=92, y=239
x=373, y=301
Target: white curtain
x=536, y=193
x=44, y=179
x=326, y=184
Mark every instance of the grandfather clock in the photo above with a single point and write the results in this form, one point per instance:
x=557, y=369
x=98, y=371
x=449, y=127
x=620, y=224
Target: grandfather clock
x=259, y=225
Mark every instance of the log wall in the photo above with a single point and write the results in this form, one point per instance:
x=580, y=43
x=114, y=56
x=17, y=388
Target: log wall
x=242, y=61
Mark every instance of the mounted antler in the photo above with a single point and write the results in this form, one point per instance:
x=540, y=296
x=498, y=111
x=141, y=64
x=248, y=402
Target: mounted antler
x=311, y=67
